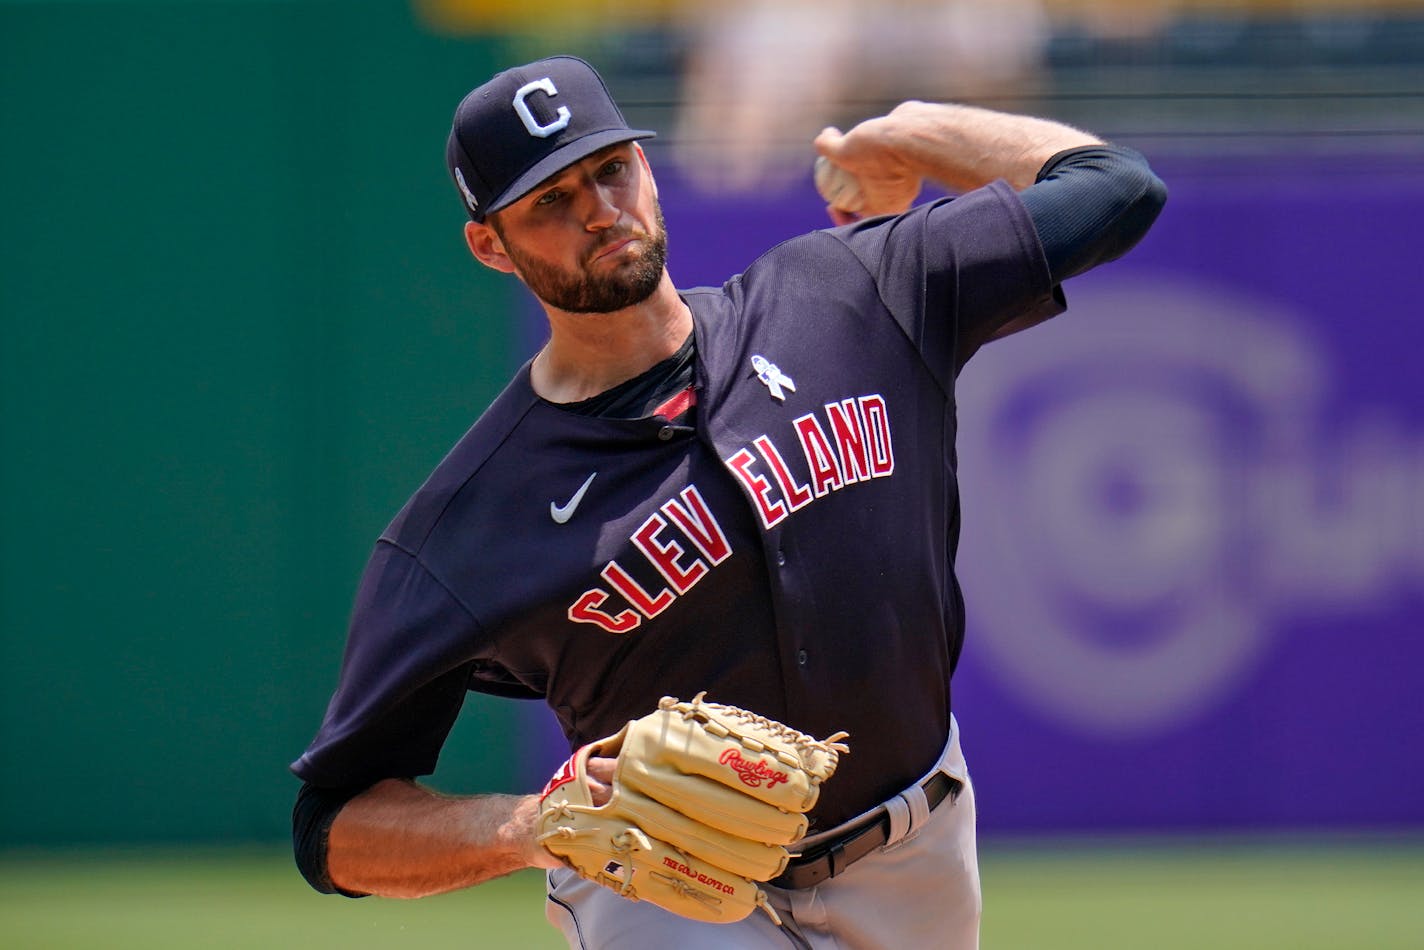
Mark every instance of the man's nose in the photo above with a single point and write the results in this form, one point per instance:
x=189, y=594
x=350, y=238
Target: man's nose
x=600, y=210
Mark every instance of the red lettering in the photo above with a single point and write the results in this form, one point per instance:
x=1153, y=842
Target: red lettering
x=697, y=521
x=772, y=512
x=586, y=610
x=753, y=772
x=877, y=423
x=849, y=430
x=796, y=495
x=648, y=604
x=664, y=556
x=825, y=471
x=698, y=876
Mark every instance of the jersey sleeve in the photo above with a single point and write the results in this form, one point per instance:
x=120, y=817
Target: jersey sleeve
x=957, y=272
x=403, y=680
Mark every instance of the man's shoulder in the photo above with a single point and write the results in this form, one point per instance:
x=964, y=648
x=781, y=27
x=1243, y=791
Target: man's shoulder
x=988, y=220
x=801, y=254
x=461, y=465
x=810, y=246
x=829, y=257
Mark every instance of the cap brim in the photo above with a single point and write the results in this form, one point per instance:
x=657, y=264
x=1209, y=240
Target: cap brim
x=562, y=158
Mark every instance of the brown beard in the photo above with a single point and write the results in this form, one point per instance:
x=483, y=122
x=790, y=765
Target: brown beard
x=583, y=292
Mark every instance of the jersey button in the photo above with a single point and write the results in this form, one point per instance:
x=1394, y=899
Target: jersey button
x=666, y=432
x=781, y=557
x=801, y=657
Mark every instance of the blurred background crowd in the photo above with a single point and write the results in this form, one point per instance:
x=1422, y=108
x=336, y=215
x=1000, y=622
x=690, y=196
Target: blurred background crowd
x=741, y=84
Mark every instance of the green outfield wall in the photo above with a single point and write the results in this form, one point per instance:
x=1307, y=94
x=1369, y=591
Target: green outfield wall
x=239, y=327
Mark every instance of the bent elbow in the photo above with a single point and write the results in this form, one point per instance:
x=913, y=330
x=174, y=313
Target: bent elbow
x=1152, y=200
x=1138, y=215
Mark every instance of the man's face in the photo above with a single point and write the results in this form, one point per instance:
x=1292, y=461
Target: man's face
x=591, y=238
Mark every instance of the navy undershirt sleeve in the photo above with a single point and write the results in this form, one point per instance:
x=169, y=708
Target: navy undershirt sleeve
x=1091, y=205
x=312, y=815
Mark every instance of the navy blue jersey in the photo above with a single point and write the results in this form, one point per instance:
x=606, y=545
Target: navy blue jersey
x=791, y=553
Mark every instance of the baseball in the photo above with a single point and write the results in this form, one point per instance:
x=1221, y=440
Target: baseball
x=840, y=188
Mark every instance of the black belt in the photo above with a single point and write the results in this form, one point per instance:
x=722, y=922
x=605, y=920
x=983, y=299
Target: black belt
x=829, y=858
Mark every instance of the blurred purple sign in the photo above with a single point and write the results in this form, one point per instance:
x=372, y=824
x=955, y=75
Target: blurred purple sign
x=1194, y=528
x=1193, y=542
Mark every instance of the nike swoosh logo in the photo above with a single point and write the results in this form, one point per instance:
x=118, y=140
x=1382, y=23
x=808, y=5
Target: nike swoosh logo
x=562, y=513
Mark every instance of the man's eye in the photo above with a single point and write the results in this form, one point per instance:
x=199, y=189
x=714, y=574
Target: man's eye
x=549, y=197
x=613, y=167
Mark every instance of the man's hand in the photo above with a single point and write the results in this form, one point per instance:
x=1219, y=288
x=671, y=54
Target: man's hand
x=885, y=181
x=600, y=779
x=959, y=147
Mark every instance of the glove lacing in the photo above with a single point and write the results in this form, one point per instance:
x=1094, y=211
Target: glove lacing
x=805, y=745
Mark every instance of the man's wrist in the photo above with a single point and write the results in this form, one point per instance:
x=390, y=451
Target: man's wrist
x=521, y=832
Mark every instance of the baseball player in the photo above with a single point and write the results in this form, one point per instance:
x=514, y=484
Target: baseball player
x=747, y=490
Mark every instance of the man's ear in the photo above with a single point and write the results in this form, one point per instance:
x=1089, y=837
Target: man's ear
x=484, y=242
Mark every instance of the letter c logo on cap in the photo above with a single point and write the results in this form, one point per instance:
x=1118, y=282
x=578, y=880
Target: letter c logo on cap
x=546, y=86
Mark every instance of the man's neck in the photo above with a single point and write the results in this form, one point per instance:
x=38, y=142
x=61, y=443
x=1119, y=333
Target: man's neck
x=590, y=353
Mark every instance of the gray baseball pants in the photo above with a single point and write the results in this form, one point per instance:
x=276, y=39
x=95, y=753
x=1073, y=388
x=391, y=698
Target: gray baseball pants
x=921, y=890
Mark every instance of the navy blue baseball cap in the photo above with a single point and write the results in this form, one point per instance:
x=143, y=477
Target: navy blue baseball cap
x=527, y=123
